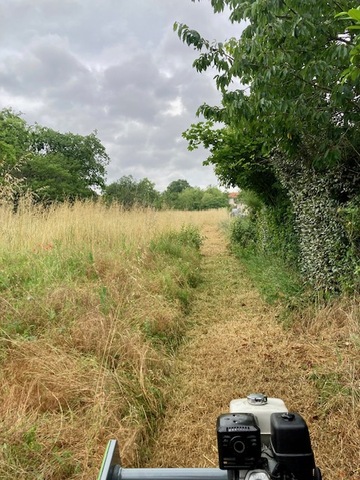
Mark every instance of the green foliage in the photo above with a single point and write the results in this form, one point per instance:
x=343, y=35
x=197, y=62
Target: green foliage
x=189, y=199
x=147, y=194
x=322, y=240
x=173, y=243
x=291, y=133
x=177, y=186
x=65, y=165
x=182, y=197
x=265, y=242
x=214, y=198
x=14, y=136
x=250, y=199
x=267, y=231
x=129, y=193
x=350, y=217
x=173, y=191
x=190, y=237
x=237, y=158
x=352, y=73
x=242, y=233
x=52, y=166
x=274, y=277
x=181, y=250
x=53, y=177
x=14, y=145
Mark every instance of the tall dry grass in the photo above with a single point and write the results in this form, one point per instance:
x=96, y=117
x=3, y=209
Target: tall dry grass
x=91, y=225
x=86, y=308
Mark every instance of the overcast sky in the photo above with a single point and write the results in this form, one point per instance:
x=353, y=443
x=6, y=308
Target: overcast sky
x=117, y=67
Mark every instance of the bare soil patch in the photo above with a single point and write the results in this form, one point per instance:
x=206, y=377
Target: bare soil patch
x=237, y=347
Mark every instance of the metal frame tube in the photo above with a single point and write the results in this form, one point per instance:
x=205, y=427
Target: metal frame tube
x=173, y=474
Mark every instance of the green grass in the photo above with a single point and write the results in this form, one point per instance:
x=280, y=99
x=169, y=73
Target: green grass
x=112, y=289
x=275, y=280
x=180, y=252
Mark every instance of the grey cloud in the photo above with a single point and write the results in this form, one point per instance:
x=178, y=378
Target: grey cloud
x=45, y=65
x=115, y=66
x=137, y=89
x=139, y=70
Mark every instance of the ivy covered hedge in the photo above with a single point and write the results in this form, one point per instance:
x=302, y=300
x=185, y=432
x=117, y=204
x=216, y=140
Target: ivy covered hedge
x=288, y=130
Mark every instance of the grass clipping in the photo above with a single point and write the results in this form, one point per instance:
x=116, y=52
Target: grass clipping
x=94, y=314
x=239, y=347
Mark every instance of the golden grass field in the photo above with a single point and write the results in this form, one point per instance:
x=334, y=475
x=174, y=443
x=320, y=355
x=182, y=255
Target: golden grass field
x=88, y=309
x=81, y=294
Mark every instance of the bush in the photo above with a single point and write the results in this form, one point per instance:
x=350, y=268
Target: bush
x=242, y=233
x=267, y=231
x=267, y=245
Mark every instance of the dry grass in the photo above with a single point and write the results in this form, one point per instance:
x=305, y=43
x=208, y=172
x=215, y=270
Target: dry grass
x=80, y=296
x=239, y=347
x=84, y=305
x=91, y=225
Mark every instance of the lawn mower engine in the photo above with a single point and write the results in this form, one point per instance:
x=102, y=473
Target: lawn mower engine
x=259, y=439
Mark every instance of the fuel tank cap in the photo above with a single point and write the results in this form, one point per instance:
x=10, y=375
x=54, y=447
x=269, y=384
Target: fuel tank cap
x=257, y=399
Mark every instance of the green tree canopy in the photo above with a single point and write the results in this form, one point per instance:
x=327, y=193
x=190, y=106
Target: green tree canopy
x=177, y=186
x=128, y=192
x=65, y=165
x=214, y=198
x=288, y=119
x=53, y=166
x=14, y=146
x=352, y=18
x=146, y=193
x=171, y=194
x=194, y=198
x=14, y=136
x=238, y=160
x=190, y=199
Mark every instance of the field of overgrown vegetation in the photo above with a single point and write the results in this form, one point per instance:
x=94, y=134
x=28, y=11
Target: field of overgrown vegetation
x=95, y=302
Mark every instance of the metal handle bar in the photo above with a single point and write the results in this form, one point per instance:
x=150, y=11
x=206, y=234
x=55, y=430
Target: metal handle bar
x=172, y=474
x=111, y=470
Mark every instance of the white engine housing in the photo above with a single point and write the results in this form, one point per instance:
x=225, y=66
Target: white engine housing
x=262, y=407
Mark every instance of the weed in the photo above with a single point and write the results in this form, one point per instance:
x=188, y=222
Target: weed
x=274, y=279
x=332, y=391
x=93, y=304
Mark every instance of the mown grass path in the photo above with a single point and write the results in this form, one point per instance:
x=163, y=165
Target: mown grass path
x=236, y=347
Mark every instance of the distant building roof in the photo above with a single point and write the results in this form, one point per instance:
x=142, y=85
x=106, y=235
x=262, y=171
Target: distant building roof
x=233, y=194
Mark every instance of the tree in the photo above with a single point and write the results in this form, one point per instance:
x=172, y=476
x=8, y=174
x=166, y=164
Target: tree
x=194, y=198
x=293, y=120
x=14, y=136
x=52, y=166
x=177, y=186
x=171, y=194
x=214, y=198
x=238, y=160
x=146, y=194
x=353, y=70
x=65, y=165
x=190, y=199
x=122, y=191
x=129, y=193
x=53, y=177
x=14, y=144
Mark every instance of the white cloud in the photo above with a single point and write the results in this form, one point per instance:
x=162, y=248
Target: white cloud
x=113, y=66
x=176, y=108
